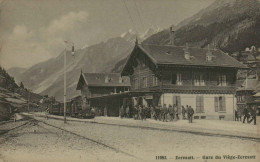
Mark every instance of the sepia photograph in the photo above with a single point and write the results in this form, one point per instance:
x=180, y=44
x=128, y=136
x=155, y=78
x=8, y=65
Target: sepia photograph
x=129, y=80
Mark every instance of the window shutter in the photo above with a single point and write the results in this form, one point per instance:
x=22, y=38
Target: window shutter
x=223, y=103
x=216, y=104
x=197, y=104
x=202, y=103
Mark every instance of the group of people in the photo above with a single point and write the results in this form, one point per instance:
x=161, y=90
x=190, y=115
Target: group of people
x=249, y=115
x=162, y=113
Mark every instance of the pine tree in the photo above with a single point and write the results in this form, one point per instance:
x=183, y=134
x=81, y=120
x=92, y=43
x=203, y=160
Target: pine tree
x=21, y=85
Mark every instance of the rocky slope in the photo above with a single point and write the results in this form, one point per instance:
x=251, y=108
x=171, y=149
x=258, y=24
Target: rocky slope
x=14, y=98
x=231, y=25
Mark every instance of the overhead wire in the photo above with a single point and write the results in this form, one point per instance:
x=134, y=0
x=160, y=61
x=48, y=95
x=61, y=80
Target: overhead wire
x=130, y=16
x=140, y=18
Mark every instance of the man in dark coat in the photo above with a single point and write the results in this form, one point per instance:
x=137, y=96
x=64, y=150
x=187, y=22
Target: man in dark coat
x=253, y=113
x=183, y=112
x=152, y=112
x=177, y=112
x=190, y=114
x=236, y=115
x=246, y=115
x=157, y=113
x=164, y=112
x=171, y=112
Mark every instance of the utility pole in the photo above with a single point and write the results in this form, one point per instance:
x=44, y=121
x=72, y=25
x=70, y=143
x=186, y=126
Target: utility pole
x=65, y=106
x=65, y=71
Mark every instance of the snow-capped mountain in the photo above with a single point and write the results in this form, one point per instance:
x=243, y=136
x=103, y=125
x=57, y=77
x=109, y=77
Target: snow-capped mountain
x=47, y=77
x=131, y=35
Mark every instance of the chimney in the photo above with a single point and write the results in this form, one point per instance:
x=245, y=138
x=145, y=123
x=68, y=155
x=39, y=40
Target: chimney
x=120, y=79
x=172, y=36
x=106, y=79
x=187, y=52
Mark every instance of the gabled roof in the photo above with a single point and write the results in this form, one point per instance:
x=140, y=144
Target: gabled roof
x=103, y=80
x=175, y=55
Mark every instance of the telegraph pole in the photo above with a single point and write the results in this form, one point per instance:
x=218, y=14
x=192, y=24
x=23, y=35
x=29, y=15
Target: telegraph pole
x=65, y=71
x=65, y=60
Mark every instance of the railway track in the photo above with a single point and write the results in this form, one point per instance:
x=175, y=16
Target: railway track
x=25, y=118
x=35, y=121
x=32, y=122
x=16, y=127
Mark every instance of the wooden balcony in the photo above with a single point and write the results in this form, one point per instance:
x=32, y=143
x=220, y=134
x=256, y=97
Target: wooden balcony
x=192, y=88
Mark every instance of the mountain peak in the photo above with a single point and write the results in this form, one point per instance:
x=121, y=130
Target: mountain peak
x=131, y=35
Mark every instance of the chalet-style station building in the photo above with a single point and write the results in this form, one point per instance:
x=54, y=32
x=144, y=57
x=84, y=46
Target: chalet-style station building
x=204, y=79
x=94, y=86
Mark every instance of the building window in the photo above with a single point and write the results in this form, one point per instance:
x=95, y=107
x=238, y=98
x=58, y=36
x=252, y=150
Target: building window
x=220, y=103
x=199, y=80
x=222, y=80
x=243, y=98
x=179, y=82
x=155, y=80
x=199, y=104
x=176, y=79
x=144, y=82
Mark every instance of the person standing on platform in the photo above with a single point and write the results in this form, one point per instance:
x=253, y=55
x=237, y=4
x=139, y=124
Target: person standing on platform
x=177, y=112
x=165, y=112
x=122, y=112
x=127, y=112
x=157, y=112
x=152, y=112
x=190, y=114
x=253, y=113
x=237, y=117
x=246, y=115
x=183, y=112
x=105, y=111
x=160, y=112
x=140, y=112
x=171, y=112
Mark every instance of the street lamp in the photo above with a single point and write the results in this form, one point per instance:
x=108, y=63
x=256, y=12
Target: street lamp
x=65, y=70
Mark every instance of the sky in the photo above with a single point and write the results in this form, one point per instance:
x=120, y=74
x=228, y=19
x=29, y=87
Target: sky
x=32, y=31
